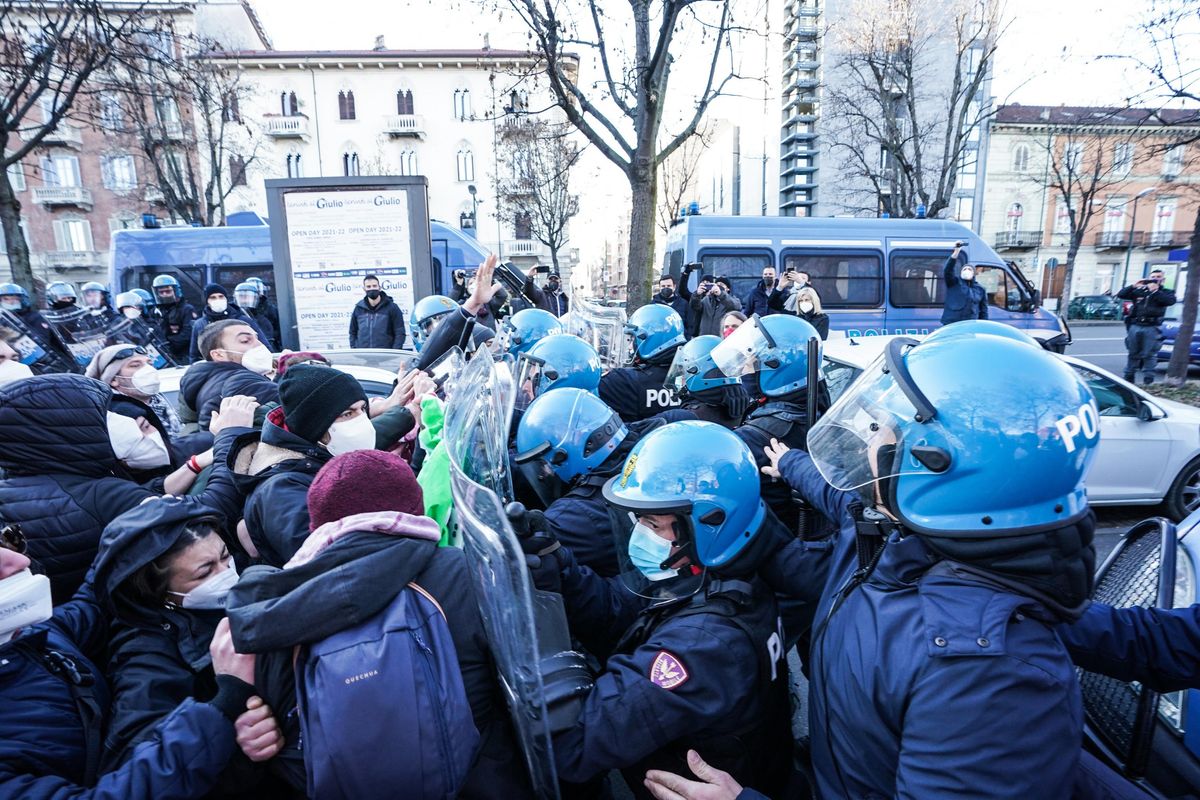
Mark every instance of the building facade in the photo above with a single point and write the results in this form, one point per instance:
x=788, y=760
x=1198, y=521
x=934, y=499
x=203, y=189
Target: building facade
x=436, y=113
x=1145, y=191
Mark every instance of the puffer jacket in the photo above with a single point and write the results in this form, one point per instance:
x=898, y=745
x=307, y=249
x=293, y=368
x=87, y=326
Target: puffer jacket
x=274, y=470
x=159, y=654
x=207, y=383
x=381, y=325
x=346, y=572
x=44, y=736
x=61, y=479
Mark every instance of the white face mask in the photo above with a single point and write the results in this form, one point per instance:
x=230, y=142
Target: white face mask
x=131, y=312
x=24, y=601
x=13, y=370
x=354, y=434
x=218, y=306
x=212, y=593
x=135, y=449
x=257, y=359
x=805, y=307
x=144, y=381
x=647, y=550
x=967, y=273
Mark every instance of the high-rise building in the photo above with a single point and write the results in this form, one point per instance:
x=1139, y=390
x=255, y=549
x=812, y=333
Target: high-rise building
x=799, y=93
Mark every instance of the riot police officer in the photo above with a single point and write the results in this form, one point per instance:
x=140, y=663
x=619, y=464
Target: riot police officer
x=249, y=297
x=97, y=299
x=526, y=328
x=772, y=356
x=575, y=443
x=174, y=316
x=15, y=300
x=61, y=296
x=637, y=392
x=690, y=635
x=425, y=316
x=703, y=388
x=554, y=362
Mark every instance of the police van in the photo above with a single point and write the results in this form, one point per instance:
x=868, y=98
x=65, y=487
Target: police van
x=874, y=276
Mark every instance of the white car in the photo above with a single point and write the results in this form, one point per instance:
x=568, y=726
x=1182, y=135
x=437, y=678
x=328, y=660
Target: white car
x=1149, y=449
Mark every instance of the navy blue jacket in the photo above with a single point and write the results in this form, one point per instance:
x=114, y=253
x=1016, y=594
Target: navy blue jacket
x=274, y=470
x=60, y=474
x=964, y=299
x=928, y=683
x=175, y=321
x=1158, y=647
x=207, y=383
x=763, y=302
x=637, y=393
x=677, y=302
x=43, y=737
x=208, y=317
x=377, y=326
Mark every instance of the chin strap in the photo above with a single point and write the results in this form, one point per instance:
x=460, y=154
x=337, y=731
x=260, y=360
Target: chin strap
x=873, y=529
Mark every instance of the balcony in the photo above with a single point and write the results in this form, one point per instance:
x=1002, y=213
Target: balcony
x=404, y=125
x=293, y=127
x=805, y=31
x=64, y=136
x=1111, y=240
x=72, y=259
x=526, y=248
x=1164, y=240
x=1018, y=240
x=168, y=130
x=154, y=195
x=63, y=196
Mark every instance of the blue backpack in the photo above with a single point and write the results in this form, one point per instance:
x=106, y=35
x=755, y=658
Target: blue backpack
x=383, y=709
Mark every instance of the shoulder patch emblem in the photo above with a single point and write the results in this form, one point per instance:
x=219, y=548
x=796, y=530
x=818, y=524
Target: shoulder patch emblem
x=667, y=671
x=630, y=466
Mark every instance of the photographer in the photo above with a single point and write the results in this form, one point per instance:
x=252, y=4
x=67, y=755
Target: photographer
x=1144, y=335
x=712, y=301
x=458, y=291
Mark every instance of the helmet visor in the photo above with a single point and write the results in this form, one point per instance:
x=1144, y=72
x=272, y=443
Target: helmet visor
x=678, y=373
x=743, y=351
x=857, y=441
x=530, y=373
x=247, y=299
x=656, y=553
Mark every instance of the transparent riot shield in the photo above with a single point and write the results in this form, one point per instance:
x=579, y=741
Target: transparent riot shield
x=526, y=628
x=603, y=327
x=84, y=334
x=33, y=354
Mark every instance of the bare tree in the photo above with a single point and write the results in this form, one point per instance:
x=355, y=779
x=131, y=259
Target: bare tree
x=184, y=114
x=899, y=125
x=49, y=52
x=534, y=162
x=622, y=114
x=677, y=178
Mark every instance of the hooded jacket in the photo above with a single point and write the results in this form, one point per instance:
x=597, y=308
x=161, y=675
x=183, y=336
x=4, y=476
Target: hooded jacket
x=274, y=469
x=207, y=383
x=377, y=326
x=346, y=572
x=61, y=479
x=208, y=317
x=158, y=655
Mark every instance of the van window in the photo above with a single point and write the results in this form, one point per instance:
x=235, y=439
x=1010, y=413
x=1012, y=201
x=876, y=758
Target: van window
x=917, y=281
x=744, y=270
x=230, y=277
x=1001, y=292
x=843, y=280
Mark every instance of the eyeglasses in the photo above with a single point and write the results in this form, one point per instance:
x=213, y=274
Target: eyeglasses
x=128, y=352
x=13, y=538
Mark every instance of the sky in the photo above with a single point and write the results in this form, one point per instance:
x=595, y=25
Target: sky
x=1054, y=52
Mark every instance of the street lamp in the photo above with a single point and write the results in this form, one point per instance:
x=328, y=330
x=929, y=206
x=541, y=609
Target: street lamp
x=1132, y=227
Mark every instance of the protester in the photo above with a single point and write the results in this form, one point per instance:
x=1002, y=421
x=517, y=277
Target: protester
x=236, y=362
x=376, y=320
x=965, y=298
x=369, y=540
x=731, y=322
x=217, y=308
x=552, y=298
x=175, y=317
x=127, y=370
x=11, y=367
x=808, y=308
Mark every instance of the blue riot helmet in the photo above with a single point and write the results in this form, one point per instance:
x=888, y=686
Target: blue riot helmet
x=147, y=298
x=13, y=297
x=261, y=285
x=694, y=370
x=654, y=330
x=975, y=436
x=571, y=430
x=775, y=349
x=687, y=500
x=166, y=289
x=554, y=362
x=247, y=294
x=425, y=315
x=982, y=327
x=131, y=304
x=526, y=328
x=95, y=295
x=60, y=294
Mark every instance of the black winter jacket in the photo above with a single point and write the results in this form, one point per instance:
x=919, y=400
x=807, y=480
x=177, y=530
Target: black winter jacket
x=377, y=326
x=964, y=299
x=676, y=302
x=271, y=611
x=763, y=301
x=207, y=383
x=1148, y=307
x=175, y=321
x=274, y=470
x=60, y=474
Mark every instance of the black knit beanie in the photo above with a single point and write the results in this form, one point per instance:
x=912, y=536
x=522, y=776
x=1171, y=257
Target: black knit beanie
x=214, y=288
x=314, y=396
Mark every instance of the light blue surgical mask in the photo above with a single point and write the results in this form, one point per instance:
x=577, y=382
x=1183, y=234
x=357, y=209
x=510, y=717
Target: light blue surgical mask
x=647, y=550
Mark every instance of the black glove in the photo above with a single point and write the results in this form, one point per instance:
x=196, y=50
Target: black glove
x=736, y=400
x=542, y=550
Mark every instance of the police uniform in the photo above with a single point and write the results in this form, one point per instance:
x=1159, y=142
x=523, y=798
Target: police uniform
x=637, y=392
x=705, y=673
x=788, y=422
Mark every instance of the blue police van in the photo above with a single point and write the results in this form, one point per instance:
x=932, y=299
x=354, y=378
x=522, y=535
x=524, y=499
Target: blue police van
x=874, y=276
x=242, y=249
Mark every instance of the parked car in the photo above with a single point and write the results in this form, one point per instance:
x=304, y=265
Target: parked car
x=1094, y=306
x=1149, y=449
x=1170, y=328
